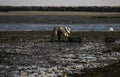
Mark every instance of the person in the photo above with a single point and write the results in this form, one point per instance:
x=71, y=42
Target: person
x=60, y=31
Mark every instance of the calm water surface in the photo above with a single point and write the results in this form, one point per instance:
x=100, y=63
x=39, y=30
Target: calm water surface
x=49, y=27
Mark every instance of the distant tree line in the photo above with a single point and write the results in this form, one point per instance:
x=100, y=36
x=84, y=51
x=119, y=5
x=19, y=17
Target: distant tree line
x=61, y=8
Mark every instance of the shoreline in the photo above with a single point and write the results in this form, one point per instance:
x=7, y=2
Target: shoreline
x=37, y=13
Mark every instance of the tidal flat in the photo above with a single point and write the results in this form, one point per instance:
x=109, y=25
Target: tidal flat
x=31, y=54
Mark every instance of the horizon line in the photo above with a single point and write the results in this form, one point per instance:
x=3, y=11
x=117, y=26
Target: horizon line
x=56, y=6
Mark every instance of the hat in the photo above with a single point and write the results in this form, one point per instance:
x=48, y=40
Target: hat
x=67, y=29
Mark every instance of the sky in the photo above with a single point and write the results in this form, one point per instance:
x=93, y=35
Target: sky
x=60, y=2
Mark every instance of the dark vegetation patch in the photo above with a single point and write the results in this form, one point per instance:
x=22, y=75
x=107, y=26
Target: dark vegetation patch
x=96, y=35
x=108, y=71
x=16, y=36
x=106, y=17
x=62, y=8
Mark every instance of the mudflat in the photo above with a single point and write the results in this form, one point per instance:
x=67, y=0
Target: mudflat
x=33, y=53
x=56, y=17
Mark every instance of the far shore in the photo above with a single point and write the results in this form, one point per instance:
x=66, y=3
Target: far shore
x=52, y=17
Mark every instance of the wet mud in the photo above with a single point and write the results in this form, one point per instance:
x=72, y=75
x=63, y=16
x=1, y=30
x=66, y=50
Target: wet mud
x=38, y=58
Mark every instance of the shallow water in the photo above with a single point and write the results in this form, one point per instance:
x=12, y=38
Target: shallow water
x=48, y=27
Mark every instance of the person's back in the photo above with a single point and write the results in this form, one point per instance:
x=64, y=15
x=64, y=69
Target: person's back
x=62, y=29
